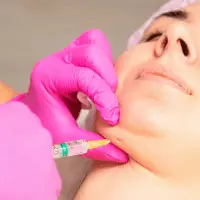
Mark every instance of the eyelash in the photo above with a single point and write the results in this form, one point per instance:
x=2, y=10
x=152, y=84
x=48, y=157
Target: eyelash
x=152, y=36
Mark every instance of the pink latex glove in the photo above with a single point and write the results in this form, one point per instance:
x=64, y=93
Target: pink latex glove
x=86, y=66
x=27, y=169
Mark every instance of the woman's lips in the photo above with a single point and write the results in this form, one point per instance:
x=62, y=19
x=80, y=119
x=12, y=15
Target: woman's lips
x=163, y=76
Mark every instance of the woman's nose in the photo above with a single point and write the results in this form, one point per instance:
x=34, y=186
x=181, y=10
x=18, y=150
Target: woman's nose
x=177, y=41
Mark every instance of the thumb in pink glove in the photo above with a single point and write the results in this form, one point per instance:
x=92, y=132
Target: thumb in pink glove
x=27, y=170
x=85, y=66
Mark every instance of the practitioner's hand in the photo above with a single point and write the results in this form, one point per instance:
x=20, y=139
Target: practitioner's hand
x=27, y=169
x=85, y=65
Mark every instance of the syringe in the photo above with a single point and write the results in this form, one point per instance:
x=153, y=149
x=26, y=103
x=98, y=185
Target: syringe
x=76, y=147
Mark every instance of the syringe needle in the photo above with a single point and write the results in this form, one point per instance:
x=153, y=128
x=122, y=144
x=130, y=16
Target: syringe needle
x=76, y=147
x=93, y=144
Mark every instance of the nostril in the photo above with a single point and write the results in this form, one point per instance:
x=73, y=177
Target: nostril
x=164, y=43
x=184, y=47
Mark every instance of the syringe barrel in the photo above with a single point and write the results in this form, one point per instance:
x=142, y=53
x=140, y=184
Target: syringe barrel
x=72, y=148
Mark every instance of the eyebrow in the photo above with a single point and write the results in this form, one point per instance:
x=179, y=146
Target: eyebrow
x=176, y=14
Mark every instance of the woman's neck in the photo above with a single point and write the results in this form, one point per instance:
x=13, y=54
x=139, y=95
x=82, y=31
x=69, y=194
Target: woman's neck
x=162, y=187
x=131, y=181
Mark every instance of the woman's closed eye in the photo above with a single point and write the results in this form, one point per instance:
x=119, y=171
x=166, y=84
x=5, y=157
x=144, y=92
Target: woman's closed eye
x=153, y=36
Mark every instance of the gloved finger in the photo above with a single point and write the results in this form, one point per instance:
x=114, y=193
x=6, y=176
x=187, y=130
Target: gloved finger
x=93, y=57
x=84, y=80
x=94, y=37
x=105, y=153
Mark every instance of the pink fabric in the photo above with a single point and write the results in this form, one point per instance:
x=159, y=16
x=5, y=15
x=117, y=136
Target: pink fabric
x=170, y=5
x=27, y=170
x=85, y=65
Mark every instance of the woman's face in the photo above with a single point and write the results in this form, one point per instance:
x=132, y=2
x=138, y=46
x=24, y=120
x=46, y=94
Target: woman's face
x=159, y=94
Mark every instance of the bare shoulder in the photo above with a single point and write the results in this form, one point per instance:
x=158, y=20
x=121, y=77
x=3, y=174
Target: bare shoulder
x=6, y=93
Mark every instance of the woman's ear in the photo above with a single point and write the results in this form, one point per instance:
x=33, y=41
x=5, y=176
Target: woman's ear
x=6, y=93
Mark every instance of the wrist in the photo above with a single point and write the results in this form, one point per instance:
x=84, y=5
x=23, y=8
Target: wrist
x=19, y=97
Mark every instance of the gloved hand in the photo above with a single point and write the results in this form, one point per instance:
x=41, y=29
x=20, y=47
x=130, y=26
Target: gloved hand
x=85, y=66
x=27, y=169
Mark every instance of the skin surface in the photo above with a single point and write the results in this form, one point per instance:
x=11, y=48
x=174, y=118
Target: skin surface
x=159, y=122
